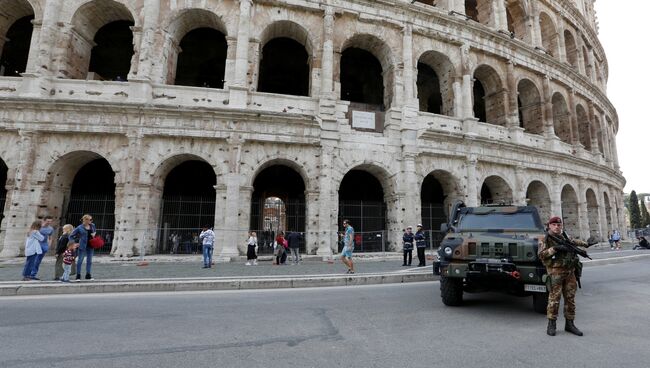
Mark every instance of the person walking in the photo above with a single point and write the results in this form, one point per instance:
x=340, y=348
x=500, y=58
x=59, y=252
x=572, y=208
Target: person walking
x=251, y=243
x=293, y=239
x=560, y=268
x=68, y=260
x=61, y=246
x=408, y=239
x=81, y=234
x=46, y=230
x=32, y=249
x=348, y=246
x=279, y=250
x=207, y=239
x=421, y=245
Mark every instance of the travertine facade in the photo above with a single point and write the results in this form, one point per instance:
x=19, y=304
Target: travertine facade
x=547, y=135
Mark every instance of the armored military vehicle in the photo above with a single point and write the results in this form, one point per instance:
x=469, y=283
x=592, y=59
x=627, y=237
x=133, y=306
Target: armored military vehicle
x=492, y=248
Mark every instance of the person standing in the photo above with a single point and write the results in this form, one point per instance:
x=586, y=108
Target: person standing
x=408, y=239
x=348, y=246
x=61, y=246
x=279, y=250
x=68, y=260
x=32, y=249
x=207, y=238
x=560, y=268
x=251, y=243
x=293, y=240
x=46, y=230
x=81, y=234
x=421, y=245
x=616, y=238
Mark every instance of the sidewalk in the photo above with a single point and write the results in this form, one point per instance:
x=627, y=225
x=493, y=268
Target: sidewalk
x=184, y=273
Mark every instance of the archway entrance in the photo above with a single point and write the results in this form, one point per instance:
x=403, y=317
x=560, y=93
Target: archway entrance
x=284, y=68
x=537, y=195
x=495, y=190
x=188, y=204
x=361, y=200
x=93, y=192
x=13, y=59
x=202, y=61
x=277, y=204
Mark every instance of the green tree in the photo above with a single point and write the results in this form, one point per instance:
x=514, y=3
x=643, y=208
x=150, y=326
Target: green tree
x=635, y=212
x=645, y=216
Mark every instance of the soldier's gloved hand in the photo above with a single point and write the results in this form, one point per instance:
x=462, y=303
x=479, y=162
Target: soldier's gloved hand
x=561, y=248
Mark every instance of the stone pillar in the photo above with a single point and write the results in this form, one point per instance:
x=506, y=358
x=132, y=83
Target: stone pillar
x=533, y=22
x=239, y=88
x=395, y=220
x=33, y=57
x=21, y=200
x=606, y=138
x=590, y=66
x=499, y=19
x=244, y=216
x=556, y=195
x=455, y=5
x=615, y=150
x=149, y=54
x=409, y=68
x=547, y=110
x=47, y=39
x=227, y=226
x=327, y=66
x=471, y=185
x=593, y=130
x=583, y=217
x=575, y=141
x=329, y=203
x=602, y=209
x=312, y=204
x=519, y=191
x=560, y=39
x=466, y=85
x=231, y=54
x=512, y=107
x=411, y=189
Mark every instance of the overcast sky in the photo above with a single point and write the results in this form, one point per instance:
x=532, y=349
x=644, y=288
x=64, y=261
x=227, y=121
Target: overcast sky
x=623, y=32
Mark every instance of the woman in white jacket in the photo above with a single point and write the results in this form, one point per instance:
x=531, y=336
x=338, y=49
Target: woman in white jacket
x=32, y=249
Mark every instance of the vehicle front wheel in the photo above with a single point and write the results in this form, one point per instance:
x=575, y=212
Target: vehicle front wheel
x=540, y=301
x=451, y=291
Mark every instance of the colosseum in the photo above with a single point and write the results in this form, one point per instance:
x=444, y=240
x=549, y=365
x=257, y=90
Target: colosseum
x=157, y=117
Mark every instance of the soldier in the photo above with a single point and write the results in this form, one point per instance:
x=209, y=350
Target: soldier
x=560, y=267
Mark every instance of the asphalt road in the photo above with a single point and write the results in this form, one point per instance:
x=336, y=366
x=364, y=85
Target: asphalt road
x=399, y=325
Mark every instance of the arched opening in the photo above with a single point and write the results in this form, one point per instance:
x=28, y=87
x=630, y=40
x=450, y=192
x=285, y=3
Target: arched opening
x=608, y=211
x=569, y=208
x=592, y=215
x=13, y=60
x=549, y=34
x=495, y=190
x=93, y=192
x=202, y=59
x=188, y=203
x=471, y=9
x=530, y=107
x=435, y=83
x=278, y=204
x=599, y=134
x=516, y=19
x=584, y=128
x=489, y=96
x=361, y=77
x=3, y=189
x=361, y=200
x=108, y=56
x=537, y=195
x=571, y=48
x=561, y=118
x=284, y=68
x=437, y=192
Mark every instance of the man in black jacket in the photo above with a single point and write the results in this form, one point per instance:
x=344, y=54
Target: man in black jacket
x=294, y=245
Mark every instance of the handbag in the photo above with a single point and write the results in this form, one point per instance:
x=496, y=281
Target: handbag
x=96, y=242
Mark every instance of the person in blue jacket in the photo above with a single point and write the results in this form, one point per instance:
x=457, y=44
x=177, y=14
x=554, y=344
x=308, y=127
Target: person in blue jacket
x=408, y=239
x=81, y=234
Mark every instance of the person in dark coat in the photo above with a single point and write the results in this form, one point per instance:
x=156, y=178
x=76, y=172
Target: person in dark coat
x=408, y=239
x=294, y=246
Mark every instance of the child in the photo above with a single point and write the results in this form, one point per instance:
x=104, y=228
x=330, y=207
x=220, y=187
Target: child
x=32, y=249
x=68, y=260
x=61, y=246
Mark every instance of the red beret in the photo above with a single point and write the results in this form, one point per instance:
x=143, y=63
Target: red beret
x=555, y=220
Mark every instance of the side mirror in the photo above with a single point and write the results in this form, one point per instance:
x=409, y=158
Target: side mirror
x=444, y=228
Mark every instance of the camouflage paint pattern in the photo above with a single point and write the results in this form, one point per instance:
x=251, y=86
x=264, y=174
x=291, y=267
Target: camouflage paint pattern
x=562, y=283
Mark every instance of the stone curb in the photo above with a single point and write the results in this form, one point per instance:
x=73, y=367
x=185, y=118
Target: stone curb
x=225, y=283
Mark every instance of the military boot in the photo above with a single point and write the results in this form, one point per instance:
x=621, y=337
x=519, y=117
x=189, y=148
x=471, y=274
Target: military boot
x=570, y=327
x=550, y=329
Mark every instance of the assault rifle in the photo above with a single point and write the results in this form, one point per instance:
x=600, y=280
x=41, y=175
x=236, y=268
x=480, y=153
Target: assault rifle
x=568, y=245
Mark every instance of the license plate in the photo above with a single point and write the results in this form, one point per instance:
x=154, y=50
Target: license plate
x=535, y=288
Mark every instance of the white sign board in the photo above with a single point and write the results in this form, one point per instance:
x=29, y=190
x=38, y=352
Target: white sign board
x=363, y=120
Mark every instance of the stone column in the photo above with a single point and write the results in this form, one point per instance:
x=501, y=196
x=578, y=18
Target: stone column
x=465, y=93
x=602, y=212
x=519, y=191
x=512, y=107
x=327, y=66
x=615, y=150
x=575, y=141
x=147, y=48
x=33, y=57
x=583, y=218
x=21, y=200
x=560, y=39
x=244, y=216
x=606, y=137
x=556, y=195
x=409, y=69
x=327, y=215
x=312, y=204
x=471, y=185
x=411, y=189
x=547, y=110
x=230, y=234
x=499, y=19
x=47, y=39
x=593, y=130
x=239, y=89
x=533, y=22
x=395, y=220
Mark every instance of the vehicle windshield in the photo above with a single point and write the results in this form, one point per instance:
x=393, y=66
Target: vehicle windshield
x=521, y=221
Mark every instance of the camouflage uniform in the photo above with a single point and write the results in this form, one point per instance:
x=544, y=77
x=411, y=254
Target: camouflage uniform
x=560, y=268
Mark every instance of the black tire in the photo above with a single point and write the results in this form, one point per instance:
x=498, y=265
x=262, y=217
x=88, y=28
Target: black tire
x=540, y=301
x=451, y=291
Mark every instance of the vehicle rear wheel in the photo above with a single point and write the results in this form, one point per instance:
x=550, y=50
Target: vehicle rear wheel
x=451, y=291
x=540, y=301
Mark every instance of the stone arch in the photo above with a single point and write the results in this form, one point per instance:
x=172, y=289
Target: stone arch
x=167, y=164
x=608, y=211
x=571, y=49
x=282, y=161
x=286, y=50
x=438, y=190
x=489, y=96
x=479, y=11
x=516, y=17
x=592, y=214
x=550, y=40
x=537, y=195
x=15, y=36
x=570, y=212
x=495, y=189
x=584, y=127
x=384, y=56
x=529, y=102
x=186, y=22
x=438, y=87
x=87, y=21
x=561, y=118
